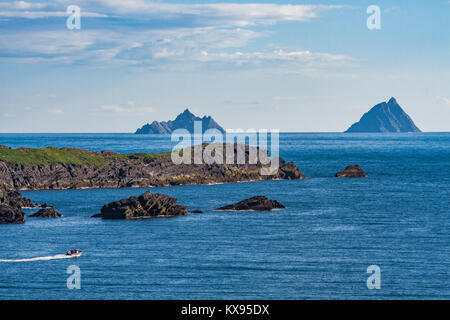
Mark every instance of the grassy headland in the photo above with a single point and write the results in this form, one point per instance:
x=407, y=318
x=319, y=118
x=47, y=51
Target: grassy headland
x=51, y=155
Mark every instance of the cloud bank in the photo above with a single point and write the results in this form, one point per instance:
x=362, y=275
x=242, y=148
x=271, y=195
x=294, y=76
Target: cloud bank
x=156, y=35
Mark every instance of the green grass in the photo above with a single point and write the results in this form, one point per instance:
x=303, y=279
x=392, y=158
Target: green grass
x=51, y=155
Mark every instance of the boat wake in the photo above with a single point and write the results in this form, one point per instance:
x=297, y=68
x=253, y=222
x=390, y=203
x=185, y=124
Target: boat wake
x=55, y=257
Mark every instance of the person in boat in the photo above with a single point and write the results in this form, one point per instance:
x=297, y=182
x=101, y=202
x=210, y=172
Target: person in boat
x=71, y=252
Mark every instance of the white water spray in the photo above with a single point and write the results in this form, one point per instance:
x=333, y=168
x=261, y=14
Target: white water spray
x=55, y=257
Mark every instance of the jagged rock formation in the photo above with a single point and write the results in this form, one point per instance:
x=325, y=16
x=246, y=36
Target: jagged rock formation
x=15, y=199
x=11, y=204
x=147, y=205
x=10, y=214
x=89, y=169
x=258, y=203
x=352, y=171
x=385, y=117
x=46, y=213
x=184, y=120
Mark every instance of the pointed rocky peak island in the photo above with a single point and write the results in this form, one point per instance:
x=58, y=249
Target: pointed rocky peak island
x=385, y=117
x=184, y=120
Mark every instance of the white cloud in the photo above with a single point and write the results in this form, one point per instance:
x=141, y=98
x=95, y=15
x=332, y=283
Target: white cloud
x=45, y=14
x=305, y=57
x=127, y=109
x=236, y=14
x=212, y=36
x=31, y=10
x=181, y=49
x=232, y=14
x=22, y=5
x=57, y=112
x=446, y=100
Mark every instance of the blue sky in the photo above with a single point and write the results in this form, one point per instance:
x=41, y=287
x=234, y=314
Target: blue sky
x=290, y=65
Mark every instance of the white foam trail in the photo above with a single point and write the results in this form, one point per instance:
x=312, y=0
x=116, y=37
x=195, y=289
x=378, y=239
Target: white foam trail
x=58, y=256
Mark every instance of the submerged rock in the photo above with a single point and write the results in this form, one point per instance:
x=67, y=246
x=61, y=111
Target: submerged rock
x=258, y=203
x=10, y=214
x=47, y=213
x=196, y=211
x=147, y=205
x=353, y=171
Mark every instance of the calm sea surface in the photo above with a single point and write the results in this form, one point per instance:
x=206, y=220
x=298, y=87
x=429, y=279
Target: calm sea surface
x=319, y=247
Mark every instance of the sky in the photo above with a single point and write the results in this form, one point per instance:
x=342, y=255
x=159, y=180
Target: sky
x=296, y=66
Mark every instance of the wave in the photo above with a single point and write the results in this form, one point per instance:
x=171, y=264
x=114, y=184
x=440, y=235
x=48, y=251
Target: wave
x=55, y=257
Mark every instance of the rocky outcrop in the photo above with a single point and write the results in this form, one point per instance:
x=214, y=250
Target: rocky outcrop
x=353, y=171
x=258, y=203
x=134, y=170
x=147, y=205
x=14, y=198
x=289, y=171
x=10, y=214
x=184, y=120
x=46, y=213
x=11, y=204
x=385, y=117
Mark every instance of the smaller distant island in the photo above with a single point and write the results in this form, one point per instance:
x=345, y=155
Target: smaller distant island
x=385, y=117
x=184, y=120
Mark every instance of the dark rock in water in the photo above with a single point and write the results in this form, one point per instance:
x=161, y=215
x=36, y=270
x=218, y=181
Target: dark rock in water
x=258, y=203
x=11, y=214
x=47, y=213
x=196, y=211
x=147, y=205
x=14, y=199
x=11, y=204
x=44, y=205
x=98, y=215
x=385, y=117
x=353, y=171
x=184, y=120
x=290, y=171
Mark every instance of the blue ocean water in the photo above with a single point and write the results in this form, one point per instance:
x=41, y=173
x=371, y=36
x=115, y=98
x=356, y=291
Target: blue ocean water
x=319, y=247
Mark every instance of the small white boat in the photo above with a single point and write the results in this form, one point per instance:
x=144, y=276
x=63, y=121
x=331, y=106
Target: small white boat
x=74, y=253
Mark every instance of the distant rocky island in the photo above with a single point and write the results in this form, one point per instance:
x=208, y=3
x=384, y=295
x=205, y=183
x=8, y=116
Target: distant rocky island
x=184, y=120
x=385, y=117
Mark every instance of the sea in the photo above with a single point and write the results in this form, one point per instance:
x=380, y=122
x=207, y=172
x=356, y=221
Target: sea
x=386, y=236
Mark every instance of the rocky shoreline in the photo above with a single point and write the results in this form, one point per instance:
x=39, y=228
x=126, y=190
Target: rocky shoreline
x=110, y=170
